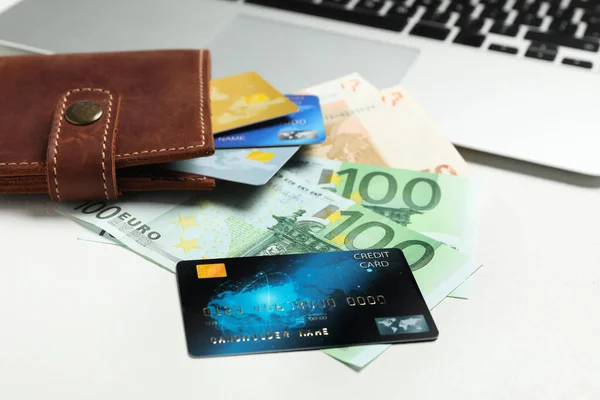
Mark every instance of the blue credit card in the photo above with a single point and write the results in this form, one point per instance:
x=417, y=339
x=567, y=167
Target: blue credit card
x=303, y=127
x=299, y=302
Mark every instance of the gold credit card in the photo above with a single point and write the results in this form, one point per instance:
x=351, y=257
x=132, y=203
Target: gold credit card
x=245, y=99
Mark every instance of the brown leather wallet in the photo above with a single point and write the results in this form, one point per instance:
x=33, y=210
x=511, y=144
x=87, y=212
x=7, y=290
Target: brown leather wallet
x=89, y=126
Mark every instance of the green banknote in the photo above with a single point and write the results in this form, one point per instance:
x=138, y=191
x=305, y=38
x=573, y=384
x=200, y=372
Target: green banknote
x=437, y=205
x=286, y=216
x=283, y=217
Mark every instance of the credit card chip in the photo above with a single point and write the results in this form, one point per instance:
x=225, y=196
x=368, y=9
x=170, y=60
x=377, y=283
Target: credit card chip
x=206, y=271
x=261, y=156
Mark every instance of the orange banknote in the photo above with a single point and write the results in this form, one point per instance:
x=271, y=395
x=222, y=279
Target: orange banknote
x=385, y=128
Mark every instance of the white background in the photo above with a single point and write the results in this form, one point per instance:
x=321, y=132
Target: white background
x=80, y=320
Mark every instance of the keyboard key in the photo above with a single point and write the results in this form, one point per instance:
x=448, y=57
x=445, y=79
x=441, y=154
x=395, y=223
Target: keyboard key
x=564, y=14
x=577, y=63
x=430, y=4
x=432, y=31
x=507, y=30
x=461, y=7
x=533, y=8
x=469, y=38
x=470, y=24
x=544, y=47
x=540, y=55
x=561, y=40
x=593, y=31
x=528, y=19
x=401, y=10
x=553, y=8
x=395, y=24
x=591, y=5
x=563, y=27
x=336, y=3
x=503, y=49
x=591, y=18
x=496, y=14
x=434, y=16
x=526, y=7
x=494, y=3
x=369, y=6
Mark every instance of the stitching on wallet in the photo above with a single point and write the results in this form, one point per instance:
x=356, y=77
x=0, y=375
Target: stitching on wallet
x=202, y=97
x=104, y=141
x=56, y=143
x=62, y=114
x=23, y=163
x=201, y=117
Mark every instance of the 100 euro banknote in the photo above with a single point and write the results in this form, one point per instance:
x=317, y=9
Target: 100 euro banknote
x=284, y=217
x=384, y=128
x=437, y=205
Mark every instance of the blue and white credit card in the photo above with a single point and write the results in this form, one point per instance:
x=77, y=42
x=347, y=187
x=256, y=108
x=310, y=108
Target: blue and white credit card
x=253, y=166
x=303, y=127
x=300, y=302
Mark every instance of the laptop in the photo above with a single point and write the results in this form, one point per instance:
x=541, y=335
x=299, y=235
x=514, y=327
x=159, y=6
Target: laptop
x=517, y=78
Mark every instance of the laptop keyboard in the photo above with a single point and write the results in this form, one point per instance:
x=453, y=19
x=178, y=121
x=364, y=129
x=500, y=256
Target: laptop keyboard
x=544, y=25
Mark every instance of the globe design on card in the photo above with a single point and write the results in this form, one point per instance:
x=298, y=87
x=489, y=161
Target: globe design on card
x=269, y=299
x=287, y=296
x=401, y=325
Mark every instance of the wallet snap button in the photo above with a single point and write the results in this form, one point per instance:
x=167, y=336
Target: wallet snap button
x=83, y=112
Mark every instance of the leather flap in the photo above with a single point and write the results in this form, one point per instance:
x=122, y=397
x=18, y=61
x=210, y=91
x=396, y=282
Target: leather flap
x=81, y=154
x=164, y=112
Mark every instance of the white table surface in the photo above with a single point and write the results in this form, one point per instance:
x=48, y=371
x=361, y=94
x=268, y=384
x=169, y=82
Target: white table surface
x=80, y=320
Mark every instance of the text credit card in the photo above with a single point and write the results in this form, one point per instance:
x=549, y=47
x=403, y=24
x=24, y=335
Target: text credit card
x=303, y=127
x=299, y=302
